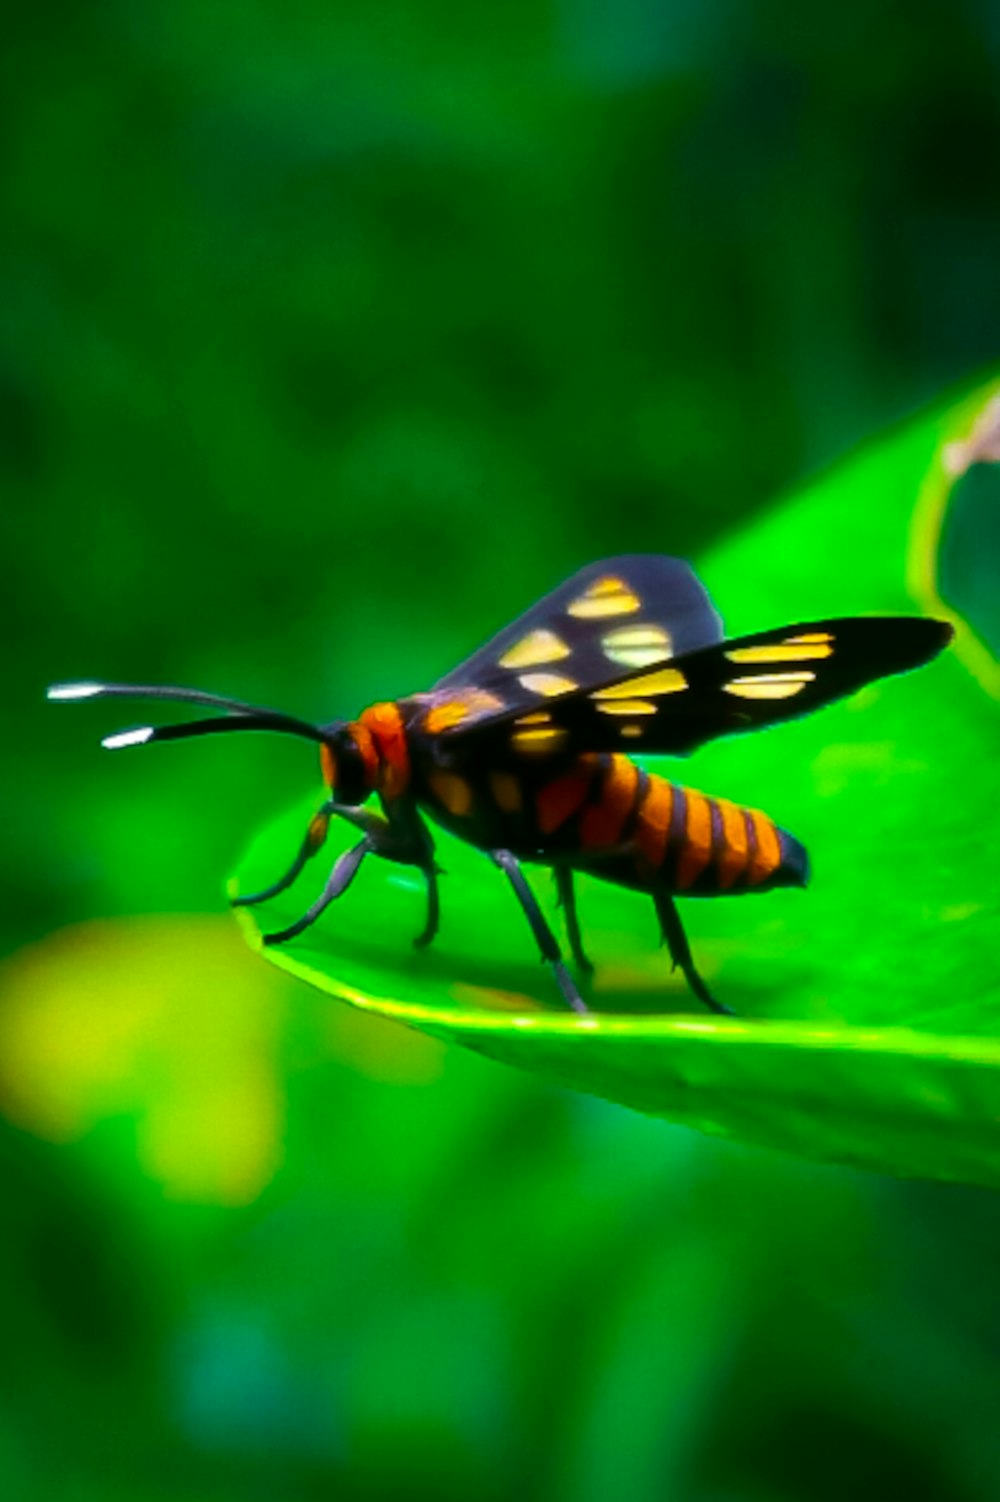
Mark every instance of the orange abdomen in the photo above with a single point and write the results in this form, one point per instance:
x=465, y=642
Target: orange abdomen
x=636, y=829
x=700, y=846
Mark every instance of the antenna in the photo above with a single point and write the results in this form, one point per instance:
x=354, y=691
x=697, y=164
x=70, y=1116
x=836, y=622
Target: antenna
x=238, y=716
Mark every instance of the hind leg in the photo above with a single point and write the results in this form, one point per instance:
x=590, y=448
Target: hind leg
x=567, y=901
x=680, y=951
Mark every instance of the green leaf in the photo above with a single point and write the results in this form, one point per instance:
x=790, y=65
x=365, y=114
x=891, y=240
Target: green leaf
x=866, y=1007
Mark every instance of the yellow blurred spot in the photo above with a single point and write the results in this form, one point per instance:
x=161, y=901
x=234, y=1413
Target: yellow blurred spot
x=169, y=1020
x=174, y=1024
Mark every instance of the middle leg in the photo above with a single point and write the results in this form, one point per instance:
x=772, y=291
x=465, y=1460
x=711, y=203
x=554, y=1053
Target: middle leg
x=544, y=937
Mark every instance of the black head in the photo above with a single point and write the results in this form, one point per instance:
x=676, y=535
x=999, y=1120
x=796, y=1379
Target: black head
x=348, y=761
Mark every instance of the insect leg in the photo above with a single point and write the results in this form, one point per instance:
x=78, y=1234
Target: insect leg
x=403, y=837
x=544, y=936
x=680, y=951
x=430, y=928
x=567, y=901
x=339, y=880
x=314, y=840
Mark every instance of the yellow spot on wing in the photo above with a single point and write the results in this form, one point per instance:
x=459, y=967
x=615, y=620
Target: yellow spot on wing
x=547, y=683
x=541, y=742
x=628, y=706
x=790, y=651
x=541, y=717
x=452, y=791
x=769, y=685
x=533, y=650
x=605, y=597
x=452, y=712
x=637, y=636
x=444, y=716
x=591, y=610
x=666, y=681
x=810, y=636
x=637, y=646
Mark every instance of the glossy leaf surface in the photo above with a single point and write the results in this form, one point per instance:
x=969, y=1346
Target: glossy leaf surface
x=868, y=1006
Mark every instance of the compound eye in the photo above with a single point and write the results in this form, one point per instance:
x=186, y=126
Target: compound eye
x=349, y=772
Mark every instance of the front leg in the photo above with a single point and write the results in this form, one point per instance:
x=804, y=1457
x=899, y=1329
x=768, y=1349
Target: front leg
x=369, y=823
x=315, y=838
x=397, y=839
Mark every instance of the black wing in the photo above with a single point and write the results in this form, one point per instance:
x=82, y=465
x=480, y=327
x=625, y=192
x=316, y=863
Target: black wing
x=736, y=685
x=616, y=616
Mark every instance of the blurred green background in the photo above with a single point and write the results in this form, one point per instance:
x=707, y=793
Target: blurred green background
x=330, y=336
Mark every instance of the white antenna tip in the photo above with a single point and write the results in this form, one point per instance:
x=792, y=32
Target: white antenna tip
x=128, y=738
x=74, y=690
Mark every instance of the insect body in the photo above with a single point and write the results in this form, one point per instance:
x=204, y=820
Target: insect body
x=523, y=750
